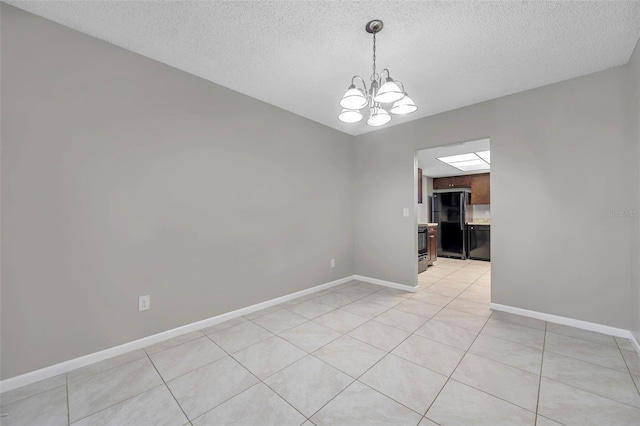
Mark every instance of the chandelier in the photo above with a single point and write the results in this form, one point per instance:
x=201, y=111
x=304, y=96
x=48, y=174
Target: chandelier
x=382, y=97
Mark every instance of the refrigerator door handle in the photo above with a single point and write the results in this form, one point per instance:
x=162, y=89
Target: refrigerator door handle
x=463, y=211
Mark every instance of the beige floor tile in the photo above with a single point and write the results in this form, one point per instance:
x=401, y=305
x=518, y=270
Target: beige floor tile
x=44, y=408
x=336, y=299
x=571, y=406
x=464, y=276
x=595, y=353
x=400, y=319
x=308, y=384
x=480, y=408
x=448, y=334
x=155, y=407
x=340, y=320
x=365, y=309
x=636, y=379
x=543, y=421
x=258, y=405
x=98, y=367
x=632, y=360
x=240, y=336
x=461, y=319
x=437, y=288
x=310, y=336
x=435, y=356
x=509, y=383
x=170, y=343
x=624, y=344
x=209, y=386
x=350, y=355
x=265, y=311
x=379, y=335
x=519, y=319
x=361, y=405
x=279, y=321
x=427, y=279
x=357, y=292
x=431, y=298
x=426, y=422
x=418, y=307
x=592, y=378
x=32, y=389
x=224, y=325
x=476, y=291
x=458, y=285
x=471, y=307
x=403, y=381
x=178, y=360
x=508, y=352
x=102, y=390
x=268, y=356
x=388, y=300
x=311, y=309
x=591, y=336
x=517, y=333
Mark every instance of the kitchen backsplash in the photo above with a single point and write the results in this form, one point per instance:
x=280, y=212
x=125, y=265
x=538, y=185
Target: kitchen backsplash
x=480, y=213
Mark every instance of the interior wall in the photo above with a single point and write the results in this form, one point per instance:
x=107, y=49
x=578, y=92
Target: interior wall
x=634, y=185
x=124, y=177
x=557, y=163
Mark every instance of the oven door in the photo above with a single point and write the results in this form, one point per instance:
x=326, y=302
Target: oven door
x=422, y=241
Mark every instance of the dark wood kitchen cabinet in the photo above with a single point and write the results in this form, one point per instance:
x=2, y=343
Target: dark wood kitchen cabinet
x=452, y=182
x=481, y=189
x=432, y=244
x=419, y=186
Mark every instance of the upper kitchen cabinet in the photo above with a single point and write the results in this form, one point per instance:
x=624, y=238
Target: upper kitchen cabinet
x=480, y=189
x=452, y=182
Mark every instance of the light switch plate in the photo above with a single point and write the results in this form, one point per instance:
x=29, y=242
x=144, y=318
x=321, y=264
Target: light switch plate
x=405, y=212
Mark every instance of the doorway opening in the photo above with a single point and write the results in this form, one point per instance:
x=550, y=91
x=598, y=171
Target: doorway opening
x=454, y=214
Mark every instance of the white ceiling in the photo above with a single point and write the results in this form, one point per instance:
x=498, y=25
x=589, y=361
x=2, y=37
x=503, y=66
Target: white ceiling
x=301, y=55
x=432, y=167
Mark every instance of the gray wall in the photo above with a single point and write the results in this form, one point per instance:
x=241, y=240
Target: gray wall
x=558, y=160
x=123, y=177
x=634, y=176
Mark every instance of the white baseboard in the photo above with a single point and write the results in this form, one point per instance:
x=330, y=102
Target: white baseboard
x=386, y=283
x=584, y=325
x=66, y=366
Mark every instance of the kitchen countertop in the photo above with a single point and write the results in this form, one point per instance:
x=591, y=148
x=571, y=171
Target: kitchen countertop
x=479, y=223
x=427, y=224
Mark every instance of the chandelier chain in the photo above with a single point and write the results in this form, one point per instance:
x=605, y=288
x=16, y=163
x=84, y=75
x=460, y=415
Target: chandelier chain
x=373, y=76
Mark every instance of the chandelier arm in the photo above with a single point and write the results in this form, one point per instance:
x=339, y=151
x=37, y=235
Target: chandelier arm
x=382, y=72
x=361, y=79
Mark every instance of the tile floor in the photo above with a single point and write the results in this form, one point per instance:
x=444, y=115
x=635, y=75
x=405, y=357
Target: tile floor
x=357, y=354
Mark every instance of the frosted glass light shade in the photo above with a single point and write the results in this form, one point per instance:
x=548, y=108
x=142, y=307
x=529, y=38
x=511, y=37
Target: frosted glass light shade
x=390, y=91
x=404, y=106
x=350, y=116
x=353, y=99
x=379, y=117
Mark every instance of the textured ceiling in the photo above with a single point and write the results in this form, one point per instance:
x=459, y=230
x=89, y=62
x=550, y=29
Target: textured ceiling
x=301, y=55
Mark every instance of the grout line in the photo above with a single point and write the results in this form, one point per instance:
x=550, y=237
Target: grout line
x=544, y=341
x=66, y=385
x=169, y=389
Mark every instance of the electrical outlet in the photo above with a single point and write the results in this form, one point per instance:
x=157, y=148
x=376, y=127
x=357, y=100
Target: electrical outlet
x=144, y=303
x=333, y=263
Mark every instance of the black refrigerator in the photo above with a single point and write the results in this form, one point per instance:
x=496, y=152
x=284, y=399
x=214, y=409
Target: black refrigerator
x=449, y=211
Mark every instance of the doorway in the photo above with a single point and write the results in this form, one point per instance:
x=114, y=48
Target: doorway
x=454, y=208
